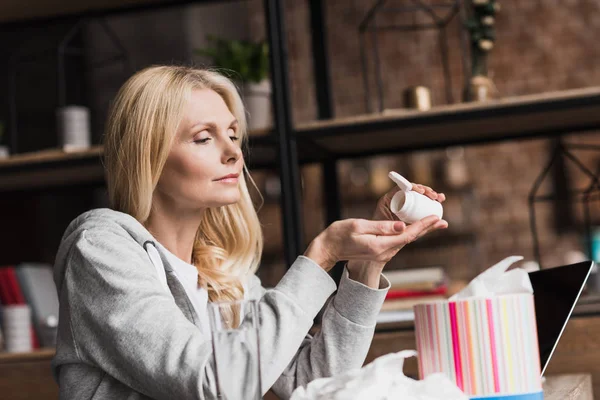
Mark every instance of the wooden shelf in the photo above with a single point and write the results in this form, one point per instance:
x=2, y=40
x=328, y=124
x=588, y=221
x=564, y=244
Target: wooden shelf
x=511, y=118
x=41, y=354
x=14, y=11
x=51, y=168
x=56, y=168
x=587, y=306
x=49, y=156
x=546, y=114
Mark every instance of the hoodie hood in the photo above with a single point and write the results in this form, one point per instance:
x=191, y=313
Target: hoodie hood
x=94, y=219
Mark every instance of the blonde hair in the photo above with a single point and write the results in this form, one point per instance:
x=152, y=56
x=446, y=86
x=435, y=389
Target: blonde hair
x=142, y=123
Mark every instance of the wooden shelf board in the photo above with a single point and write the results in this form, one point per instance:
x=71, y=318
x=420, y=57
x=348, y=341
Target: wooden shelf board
x=49, y=156
x=55, y=167
x=41, y=354
x=509, y=118
x=466, y=123
x=14, y=11
x=587, y=306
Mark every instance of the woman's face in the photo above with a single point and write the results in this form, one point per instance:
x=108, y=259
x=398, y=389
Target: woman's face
x=205, y=161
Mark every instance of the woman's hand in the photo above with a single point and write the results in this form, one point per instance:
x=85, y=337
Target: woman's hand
x=364, y=240
x=383, y=212
x=368, y=272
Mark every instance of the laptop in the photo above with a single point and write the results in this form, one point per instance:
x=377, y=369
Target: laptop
x=555, y=292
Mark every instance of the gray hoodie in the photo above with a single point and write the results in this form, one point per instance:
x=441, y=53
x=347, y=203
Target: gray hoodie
x=121, y=335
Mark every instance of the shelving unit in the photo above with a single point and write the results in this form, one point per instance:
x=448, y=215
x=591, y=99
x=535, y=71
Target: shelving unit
x=522, y=117
x=14, y=12
x=325, y=141
x=54, y=168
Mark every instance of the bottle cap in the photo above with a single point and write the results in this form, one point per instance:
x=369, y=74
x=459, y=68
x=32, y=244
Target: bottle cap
x=401, y=181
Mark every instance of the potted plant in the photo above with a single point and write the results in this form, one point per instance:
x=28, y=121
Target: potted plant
x=247, y=63
x=4, y=153
x=481, y=27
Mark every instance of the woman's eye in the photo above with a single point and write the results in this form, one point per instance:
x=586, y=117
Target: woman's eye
x=234, y=138
x=202, y=140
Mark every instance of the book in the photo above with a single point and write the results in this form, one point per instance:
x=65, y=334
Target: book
x=407, y=293
x=5, y=292
x=426, y=278
x=38, y=286
x=11, y=277
x=395, y=316
x=408, y=303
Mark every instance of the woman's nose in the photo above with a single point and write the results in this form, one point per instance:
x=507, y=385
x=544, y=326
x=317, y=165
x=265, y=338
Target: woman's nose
x=232, y=152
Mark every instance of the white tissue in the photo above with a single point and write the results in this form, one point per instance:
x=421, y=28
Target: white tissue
x=496, y=281
x=383, y=379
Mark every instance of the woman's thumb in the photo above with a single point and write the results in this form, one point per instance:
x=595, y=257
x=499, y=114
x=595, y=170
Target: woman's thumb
x=386, y=227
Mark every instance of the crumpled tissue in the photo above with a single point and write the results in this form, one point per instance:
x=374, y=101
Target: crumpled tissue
x=383, y=379
x=496, y=281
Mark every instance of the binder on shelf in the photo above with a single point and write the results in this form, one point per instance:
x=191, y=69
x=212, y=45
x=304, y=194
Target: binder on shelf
x=17, y=294
x=39, y=290
x=12, y=294
x=5, y=291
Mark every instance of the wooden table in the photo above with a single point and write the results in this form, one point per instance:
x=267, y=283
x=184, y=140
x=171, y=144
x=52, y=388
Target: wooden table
x=575, y=386
x=19, y=370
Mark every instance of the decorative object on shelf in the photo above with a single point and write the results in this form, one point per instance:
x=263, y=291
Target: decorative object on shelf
x=16, y=322
x=561, y=153
x=480, y=24
x=595, y=245
x=438, y=16
x=456, y=172
x=4, y=152
x=247, y=63
x=64, y=50
x=417, y=97
x=74, y=127
x=379, y=183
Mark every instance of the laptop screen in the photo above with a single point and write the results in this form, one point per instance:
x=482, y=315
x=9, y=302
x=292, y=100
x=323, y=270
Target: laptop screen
x=555, y=292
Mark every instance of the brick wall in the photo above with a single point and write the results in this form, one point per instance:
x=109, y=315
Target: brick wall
x=541, y=46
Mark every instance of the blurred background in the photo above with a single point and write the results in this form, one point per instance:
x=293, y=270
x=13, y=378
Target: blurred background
x=539, y=47
x=496, y=104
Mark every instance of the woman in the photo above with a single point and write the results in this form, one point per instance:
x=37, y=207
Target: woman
x=134, y=280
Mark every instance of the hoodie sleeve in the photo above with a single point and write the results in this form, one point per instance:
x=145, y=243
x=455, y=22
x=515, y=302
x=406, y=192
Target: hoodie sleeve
x=124, y=322
x=344, y=339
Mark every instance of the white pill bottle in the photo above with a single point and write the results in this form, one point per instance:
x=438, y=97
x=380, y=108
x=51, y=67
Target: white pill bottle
x=409, y=205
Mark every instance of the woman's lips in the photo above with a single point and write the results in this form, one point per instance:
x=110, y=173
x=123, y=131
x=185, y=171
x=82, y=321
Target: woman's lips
x=231, y=178
x=228, y=180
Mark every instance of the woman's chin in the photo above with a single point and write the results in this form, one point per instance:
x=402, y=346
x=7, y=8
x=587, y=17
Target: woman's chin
x=229, y=199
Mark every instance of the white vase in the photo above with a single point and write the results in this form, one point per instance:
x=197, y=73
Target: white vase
x=74, y=127
x=4, y=153
x=257, y=99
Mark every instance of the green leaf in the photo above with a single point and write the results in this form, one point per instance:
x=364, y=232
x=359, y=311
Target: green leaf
x=248, y=61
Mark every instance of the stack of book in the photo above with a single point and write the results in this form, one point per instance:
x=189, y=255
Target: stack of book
x=410, y=287
x=32, y=284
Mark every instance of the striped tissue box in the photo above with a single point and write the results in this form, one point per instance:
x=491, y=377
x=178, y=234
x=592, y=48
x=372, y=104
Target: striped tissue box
x=487, y=346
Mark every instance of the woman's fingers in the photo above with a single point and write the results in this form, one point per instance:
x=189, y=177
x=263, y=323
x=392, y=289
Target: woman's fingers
x=410, y=234
x=360, y=239
x=422, y=227
x=429, y=192
x=378, y=228
x=441, y=224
